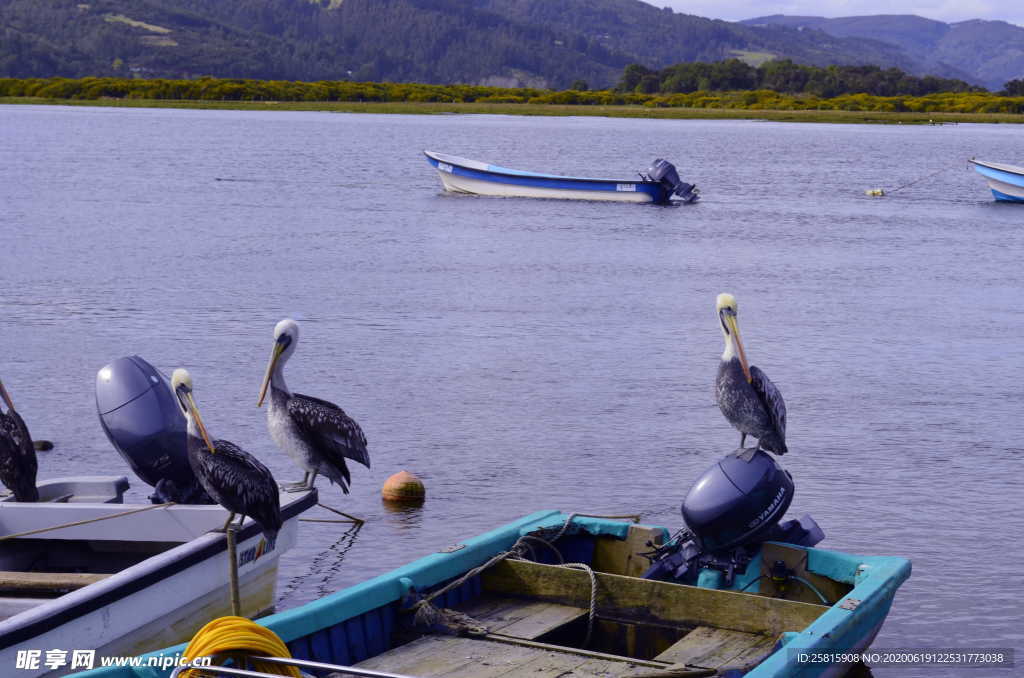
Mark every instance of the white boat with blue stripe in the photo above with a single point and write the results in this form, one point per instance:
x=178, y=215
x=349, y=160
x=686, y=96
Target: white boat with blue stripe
x=660, y=185
x=1006, y=181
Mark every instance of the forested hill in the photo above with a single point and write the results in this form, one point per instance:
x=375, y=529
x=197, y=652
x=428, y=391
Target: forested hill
x=989, y=52
x=544, y=43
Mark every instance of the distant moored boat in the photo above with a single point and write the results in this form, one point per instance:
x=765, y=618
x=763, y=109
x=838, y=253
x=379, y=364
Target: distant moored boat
x=660, y=185
x=1006, y=181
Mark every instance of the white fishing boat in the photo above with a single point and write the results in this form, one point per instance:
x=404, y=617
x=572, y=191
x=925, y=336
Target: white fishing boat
x=660, y=185
x=91, y=573
x=1005, y=181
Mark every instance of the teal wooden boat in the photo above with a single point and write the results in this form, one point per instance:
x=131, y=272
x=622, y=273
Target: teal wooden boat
x=536, y=616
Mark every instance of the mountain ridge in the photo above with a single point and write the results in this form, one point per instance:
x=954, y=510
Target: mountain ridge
x=539, y=43
x=990, y=52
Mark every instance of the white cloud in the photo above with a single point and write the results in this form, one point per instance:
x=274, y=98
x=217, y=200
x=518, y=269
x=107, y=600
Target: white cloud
x=941, y=10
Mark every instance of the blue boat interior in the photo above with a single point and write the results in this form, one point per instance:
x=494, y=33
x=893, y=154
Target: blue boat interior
x=536, y=602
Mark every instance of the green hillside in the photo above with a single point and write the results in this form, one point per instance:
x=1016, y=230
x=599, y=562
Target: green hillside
x=540, y=43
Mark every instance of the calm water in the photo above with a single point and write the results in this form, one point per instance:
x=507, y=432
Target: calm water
x=521, y=354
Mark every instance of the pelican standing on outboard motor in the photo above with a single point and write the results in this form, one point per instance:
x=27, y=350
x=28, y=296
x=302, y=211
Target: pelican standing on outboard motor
x=746, y=396
x=736, y=505
x=664, y=172
x=18, y=464
x=229, y=474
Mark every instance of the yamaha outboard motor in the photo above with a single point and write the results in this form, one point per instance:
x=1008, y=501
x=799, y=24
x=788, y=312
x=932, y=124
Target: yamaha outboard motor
x=665, y=173
x=733, y=507
x=735, y=501
x=142, y=421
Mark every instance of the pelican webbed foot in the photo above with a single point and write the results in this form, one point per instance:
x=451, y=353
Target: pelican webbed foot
x=300, y=486
x=746, y=453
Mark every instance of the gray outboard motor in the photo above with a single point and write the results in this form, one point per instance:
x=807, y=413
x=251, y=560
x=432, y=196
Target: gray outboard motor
x=665, y=173
x=142, y=421
x=735, y=502
x=733, y=507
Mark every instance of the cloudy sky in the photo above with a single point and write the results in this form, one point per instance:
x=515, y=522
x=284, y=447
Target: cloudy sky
x=942, y=10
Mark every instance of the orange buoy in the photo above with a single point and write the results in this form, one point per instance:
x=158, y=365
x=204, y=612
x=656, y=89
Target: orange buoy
x=404, y=487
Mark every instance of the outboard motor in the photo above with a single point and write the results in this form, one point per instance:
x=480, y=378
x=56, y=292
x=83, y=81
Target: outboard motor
x=665, y=173
x=142, y=421
x=733, y=507
x=735, y=502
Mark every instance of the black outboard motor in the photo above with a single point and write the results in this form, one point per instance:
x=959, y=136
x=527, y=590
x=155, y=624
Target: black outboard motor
x=733, y=507
x=142, y=421
x=665, y=173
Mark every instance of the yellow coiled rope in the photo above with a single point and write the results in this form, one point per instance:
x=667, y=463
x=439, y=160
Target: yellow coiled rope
x=239, y=637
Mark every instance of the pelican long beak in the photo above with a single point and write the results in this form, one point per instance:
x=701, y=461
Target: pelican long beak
x=6, y=396
x=199, y=424
x=274, y=356
x=734, y=332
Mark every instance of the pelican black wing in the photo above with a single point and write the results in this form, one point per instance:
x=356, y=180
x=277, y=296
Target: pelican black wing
x=337, y=435
x=243, y=483
x=773, y=403
x=18, y=463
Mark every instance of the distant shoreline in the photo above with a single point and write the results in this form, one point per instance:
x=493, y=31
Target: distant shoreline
x=556, y=110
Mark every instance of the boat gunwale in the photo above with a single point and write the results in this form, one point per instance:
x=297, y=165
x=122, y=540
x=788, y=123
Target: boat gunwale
x=998, y=166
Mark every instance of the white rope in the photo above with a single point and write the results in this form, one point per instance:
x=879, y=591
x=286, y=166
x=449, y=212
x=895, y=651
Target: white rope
x=593, y=597
x=427, y=614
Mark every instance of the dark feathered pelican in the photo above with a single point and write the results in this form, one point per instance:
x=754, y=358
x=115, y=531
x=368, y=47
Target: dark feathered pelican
x=317, y=434
x=18, y=463
x=747, y=397
x=231, y=476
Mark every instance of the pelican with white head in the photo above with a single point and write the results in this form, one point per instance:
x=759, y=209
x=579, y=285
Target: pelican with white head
x=747, y=398
x=317, y=434
x=231, y=476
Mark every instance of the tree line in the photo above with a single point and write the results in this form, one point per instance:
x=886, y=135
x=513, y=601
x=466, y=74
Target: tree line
x=971, y=100
x=787, y=77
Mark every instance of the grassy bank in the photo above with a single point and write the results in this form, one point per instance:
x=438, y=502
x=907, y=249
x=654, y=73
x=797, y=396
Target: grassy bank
x=434, y=108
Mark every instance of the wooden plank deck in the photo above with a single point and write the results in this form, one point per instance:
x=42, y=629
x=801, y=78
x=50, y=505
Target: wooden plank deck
x=711, y=648
x=724, y=628
x=451, y=657
x=520, y=618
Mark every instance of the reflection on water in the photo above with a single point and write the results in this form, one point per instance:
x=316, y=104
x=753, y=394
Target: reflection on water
x=321, y=570
x=521, y=355
x=403, y=516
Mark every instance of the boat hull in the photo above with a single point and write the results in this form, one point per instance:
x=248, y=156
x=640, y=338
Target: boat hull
x=1005, y=181
x=473, y=186
x=163, y=599
x=461, y=175
x=355, y=626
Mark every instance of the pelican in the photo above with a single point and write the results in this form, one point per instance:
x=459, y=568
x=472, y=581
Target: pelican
x=18, y=463
x=231, y=476
x=317, y=434
x=746, y=396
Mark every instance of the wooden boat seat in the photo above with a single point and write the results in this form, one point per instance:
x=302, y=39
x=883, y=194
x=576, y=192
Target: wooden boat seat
x=520, y=618
x=47, y=582
x=710, y=648
x=648, y=601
